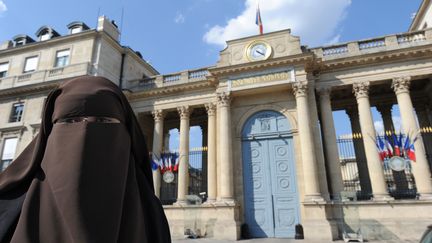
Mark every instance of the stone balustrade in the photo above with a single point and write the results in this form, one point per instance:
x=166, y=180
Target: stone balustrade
x=72, y=70
x=386, y=43
x=169, y=79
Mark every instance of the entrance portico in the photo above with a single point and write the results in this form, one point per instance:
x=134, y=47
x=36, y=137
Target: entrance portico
x=243, y=186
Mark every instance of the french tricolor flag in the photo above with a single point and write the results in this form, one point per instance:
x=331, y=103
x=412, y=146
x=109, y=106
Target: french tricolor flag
x=381, y=148
x=258, y=20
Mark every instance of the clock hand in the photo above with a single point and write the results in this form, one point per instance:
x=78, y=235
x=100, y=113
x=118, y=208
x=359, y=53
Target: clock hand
x=259, y=52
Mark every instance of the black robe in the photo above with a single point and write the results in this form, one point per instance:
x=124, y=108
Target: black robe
x=83, y=181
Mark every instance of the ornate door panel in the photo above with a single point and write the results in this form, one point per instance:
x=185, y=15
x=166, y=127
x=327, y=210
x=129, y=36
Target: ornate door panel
x=258, y=198
x=284, y=189
x=269, y=180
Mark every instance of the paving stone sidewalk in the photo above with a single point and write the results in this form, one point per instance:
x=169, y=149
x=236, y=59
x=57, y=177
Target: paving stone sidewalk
x=270, y=240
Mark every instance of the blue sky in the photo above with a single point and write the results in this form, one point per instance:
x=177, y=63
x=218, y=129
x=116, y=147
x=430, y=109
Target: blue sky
x=178, y=35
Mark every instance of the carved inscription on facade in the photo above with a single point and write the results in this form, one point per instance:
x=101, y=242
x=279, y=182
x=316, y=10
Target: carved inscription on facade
x=286, y=75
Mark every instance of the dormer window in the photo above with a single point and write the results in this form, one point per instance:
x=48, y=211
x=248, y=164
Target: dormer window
x=75, y=30
x=45, y=36
x=19, y=43
x=21, y=40
x=77, y=27
x=45, y=33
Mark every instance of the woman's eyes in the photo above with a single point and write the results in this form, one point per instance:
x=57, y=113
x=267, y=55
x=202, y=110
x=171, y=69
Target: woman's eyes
x=92, y=119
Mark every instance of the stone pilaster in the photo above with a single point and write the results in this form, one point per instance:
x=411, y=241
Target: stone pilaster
x=318, y=141
x=183, y=171
x=376, y=173
x=330, y=145
x=226, y=165
x=158, y=116
x=420, y=168
x=312, y=188
x=211, y=153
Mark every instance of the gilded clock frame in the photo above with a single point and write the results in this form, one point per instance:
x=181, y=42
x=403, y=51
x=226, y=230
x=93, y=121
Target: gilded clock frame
x=253, y=43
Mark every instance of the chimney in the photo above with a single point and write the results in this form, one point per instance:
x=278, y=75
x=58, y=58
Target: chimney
x=109, y=27
x=5, y=45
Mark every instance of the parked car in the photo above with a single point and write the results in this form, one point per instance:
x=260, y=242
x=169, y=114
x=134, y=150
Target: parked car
x=427, y=236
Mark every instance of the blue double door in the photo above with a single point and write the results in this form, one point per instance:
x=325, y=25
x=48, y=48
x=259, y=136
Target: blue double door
x=270, y=190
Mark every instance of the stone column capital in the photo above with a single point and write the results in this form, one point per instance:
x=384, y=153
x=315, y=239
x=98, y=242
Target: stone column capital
x=184, y=112
x=223, y=98
x=401, y=84
x=211, y=109
x=158, y=115
x=324, y=93
x=300, y=89
x=361, y=90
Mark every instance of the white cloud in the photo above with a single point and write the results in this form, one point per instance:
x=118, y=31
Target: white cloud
x=334, y=40
x=379, y=125
x=3, y=7
x=179, y=19
x=314, y=21
x=397, y=123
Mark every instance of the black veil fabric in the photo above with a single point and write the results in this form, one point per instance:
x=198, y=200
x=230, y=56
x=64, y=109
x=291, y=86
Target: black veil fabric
x=84, y=181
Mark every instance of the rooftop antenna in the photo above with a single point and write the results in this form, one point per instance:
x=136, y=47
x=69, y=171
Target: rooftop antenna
x=121, y=24
x=97, y=17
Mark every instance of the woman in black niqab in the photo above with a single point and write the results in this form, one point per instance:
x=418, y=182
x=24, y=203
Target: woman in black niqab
x=86, y=177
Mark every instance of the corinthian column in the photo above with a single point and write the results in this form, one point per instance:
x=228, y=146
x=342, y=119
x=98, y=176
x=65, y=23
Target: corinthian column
x=360, y=155
x=157, y=147
x=420, y=168
x=312, y=188
x=386, y=114
x=376, y=173
x=211, y=152
x=399, y=177
x=183, y=171
x=226, y=169
x=330, y=145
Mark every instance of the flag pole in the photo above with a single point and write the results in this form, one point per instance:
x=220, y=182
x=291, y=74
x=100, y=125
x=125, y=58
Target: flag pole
x=258, y=20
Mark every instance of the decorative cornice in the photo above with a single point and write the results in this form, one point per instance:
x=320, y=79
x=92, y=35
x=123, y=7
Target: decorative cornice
x=401, y=84
x=281, y=61
x=184, y=112
x=300, y=89
x=361, y=90
x=211, y=109
x=158, y=115
x=224, y=98
x=13, y=128
x=30, y=89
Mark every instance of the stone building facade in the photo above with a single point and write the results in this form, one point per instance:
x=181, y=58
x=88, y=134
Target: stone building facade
x=272, y=158
x=29, y=69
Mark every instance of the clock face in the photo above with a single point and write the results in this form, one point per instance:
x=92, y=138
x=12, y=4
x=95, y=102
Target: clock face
x=258, y=50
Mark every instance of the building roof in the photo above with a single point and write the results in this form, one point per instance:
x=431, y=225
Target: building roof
x=419, y=15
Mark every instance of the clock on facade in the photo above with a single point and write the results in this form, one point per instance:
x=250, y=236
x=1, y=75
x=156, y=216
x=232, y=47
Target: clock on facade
x=258, y=50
